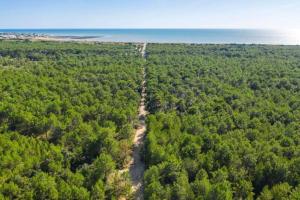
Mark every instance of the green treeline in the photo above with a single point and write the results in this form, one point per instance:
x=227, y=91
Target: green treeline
x=225, y=122
x=67, y=113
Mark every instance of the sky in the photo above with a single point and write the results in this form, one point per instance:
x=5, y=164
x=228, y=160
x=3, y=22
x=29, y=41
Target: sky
x=262, y=14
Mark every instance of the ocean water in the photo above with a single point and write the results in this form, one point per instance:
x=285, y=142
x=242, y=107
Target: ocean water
x=220, y=36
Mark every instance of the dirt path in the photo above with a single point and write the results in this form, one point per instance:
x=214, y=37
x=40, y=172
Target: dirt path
x=137, y=166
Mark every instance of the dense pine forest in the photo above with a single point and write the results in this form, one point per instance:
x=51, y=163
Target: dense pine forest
x=67, y=112
x=224, y=120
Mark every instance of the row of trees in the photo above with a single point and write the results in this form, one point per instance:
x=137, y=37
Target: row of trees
x=67, y=112
x=225, y=122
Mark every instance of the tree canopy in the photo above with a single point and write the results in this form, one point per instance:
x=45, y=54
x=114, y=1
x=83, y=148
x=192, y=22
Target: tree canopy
x=67, y=112
x=225, y=122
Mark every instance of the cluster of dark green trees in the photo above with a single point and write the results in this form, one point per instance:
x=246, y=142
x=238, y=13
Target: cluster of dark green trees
x=225, y=122
x=67, y=112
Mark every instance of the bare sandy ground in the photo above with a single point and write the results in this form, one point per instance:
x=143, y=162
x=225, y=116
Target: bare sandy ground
x=137, y=166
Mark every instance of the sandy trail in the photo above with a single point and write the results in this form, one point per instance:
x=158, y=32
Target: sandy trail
x=137, y=166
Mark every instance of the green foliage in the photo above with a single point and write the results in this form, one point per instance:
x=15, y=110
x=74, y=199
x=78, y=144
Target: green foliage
x=98, y=191
x=67, y=110
x=225, y=121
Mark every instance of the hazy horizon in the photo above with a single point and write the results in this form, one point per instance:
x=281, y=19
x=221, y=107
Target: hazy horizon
x=144, y=28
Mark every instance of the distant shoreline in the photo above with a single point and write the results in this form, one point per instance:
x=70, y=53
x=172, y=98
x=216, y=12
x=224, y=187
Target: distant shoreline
x=168, y=38
x=178, y=36
x=45, y=37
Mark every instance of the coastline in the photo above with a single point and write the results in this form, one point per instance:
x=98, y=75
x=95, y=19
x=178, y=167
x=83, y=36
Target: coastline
x=99, y=39
x=44, y=37
x=162, y=36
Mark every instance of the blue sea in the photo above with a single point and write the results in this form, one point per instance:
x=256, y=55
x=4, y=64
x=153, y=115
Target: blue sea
x=200, y=36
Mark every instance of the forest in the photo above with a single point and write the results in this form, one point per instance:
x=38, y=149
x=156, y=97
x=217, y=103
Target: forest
x=67, y=112
x=223, y=123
